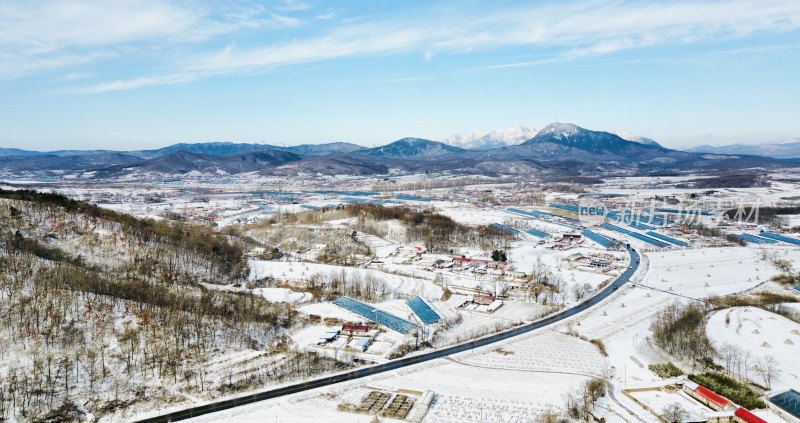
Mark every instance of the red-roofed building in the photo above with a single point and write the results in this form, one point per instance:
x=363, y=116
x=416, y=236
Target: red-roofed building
x=464, y=260
x=352, y=329
x=491, y=264
x=746, y=416
x=483, y=299
x=710, y=398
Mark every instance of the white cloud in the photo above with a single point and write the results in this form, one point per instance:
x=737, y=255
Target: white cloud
x=50, y=25
x=74, y=76
x=353, y=41
x=48, y=34
x=325, y=16
x=11, y=66
x=133, y=84
x=293, y=6
x=555, y=32
x=581, y=29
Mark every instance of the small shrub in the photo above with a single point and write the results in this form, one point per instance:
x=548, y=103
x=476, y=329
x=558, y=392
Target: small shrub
x=787, y=279
x=600, y=346
x=408, y=348
x=503, y=351
x=665, y=370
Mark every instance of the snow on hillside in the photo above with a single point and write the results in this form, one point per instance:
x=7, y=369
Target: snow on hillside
x=484, y=140
x=624, y=323
x=782, y=150
x=635, y=138
x=561, y=130
x=763, y=334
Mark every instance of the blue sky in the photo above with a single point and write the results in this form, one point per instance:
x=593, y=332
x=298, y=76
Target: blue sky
x=127, y=74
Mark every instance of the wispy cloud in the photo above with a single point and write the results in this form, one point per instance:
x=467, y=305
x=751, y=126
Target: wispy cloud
x=49, y=34
x=399, y=80
x=553, y=32
x=325, y=16
x=11, y=66
x=347, y=42
x=51, y=25
x=131, y=84
x=293, y=6
x=74, y=76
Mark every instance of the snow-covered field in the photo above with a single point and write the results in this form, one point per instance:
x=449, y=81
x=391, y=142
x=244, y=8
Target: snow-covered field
x=624, y=323
x=539, y=369
x=300, y=271
x=762, y=334
x=276, y=295
x=533, y=370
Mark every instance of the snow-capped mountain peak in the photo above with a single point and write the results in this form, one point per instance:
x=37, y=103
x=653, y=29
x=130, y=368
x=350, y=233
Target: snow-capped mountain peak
x=635, y=138
x=560, y=130
x=484, y=140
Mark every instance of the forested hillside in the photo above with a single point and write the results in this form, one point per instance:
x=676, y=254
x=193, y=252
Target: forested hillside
x=104, y=314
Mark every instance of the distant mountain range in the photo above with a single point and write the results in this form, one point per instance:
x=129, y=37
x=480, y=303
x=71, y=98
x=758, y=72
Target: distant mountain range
x=777, y=151
x=558, y=150
x=209, y=148
x=486, y=140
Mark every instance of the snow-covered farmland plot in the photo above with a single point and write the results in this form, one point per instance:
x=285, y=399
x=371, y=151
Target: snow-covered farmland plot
x=472, y=394
x=298, y=272
x=714, y=271
x=546, y=351
x=762, y=334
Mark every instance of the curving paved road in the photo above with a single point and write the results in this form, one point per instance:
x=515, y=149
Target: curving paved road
x=404, y=362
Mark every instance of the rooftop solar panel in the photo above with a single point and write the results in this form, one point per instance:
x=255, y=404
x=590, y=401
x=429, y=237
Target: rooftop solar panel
x=640, y=226
x=376, y=315
x=409, y=197
x=667, y=238
x=422, y=310
x=538, y=233
x=603, y=241
x=788, y=401
x=779, y=237
x=504, y=228
x=755, y=239
x=541, y=215
x=636, y=235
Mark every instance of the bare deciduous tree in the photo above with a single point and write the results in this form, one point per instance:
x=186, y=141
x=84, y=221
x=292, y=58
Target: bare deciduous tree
x=767, y=368
x=674, y=413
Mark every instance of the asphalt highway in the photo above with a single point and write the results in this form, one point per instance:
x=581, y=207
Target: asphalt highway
x=408, y=361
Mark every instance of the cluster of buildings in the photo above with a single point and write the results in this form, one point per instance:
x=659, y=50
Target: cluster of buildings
x=354, y=337
x=600, y=262
x=418, y=256
x=567, y=241
x=476, y=265
x=480, y=303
